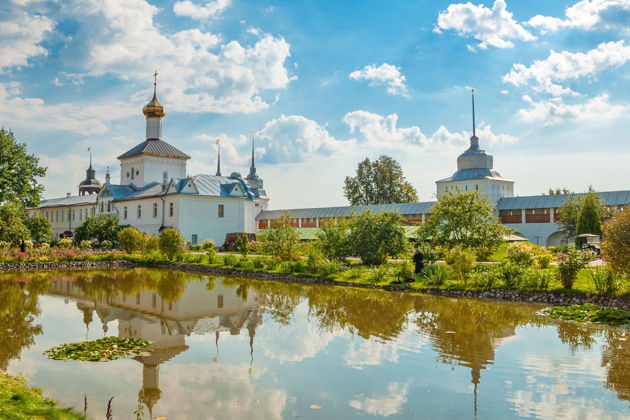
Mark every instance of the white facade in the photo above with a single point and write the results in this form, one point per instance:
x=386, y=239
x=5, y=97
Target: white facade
x=142, y=170
x=492, y=189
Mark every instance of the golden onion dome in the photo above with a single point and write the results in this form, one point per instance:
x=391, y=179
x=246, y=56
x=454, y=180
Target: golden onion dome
x=154, y=109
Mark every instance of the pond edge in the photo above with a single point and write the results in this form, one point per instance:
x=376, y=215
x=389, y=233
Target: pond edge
x=545, y=297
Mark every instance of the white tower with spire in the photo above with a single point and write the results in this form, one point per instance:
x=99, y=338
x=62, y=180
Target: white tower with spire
x=153, y=160
x=475, y=172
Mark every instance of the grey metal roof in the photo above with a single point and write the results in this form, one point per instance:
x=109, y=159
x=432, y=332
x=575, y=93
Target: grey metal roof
x=75, y=200
x=154, y=147
x=345, y=211
x=610, y=198
x=474, y=173
x=223, y=186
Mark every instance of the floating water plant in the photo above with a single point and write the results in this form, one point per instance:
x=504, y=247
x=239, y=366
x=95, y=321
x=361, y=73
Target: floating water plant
x=589, y=312
x=101, y=350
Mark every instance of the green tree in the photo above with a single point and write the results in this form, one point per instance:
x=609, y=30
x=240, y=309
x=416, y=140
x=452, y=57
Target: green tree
x=12, y=228
x=559, y=191
x=99, y=228
x=18, y=172
x=172, y=243
x=131, y=239
x=589, y=217
x=39, y=227
x=374, y=237
x=466, y=219
x=379, y=182
x=242, y=245
x=616, y=243
x=572, y=207
x=334, y=241
x=283, y=239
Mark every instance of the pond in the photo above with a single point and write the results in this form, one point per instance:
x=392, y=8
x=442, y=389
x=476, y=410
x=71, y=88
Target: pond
x=230, y=348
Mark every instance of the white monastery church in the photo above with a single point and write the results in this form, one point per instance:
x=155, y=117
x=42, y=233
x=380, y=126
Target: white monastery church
x=155, y=192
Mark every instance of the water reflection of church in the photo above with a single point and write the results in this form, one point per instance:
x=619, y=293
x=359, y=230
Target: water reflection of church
x=202, y=308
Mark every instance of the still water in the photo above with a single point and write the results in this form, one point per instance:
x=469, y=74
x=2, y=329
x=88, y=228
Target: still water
x=228, y=348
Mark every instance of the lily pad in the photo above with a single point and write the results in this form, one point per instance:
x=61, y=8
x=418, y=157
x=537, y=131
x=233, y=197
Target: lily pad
x=101, y=350
x=589, y=312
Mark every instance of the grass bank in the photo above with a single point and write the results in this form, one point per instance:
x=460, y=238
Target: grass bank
x=18, y=401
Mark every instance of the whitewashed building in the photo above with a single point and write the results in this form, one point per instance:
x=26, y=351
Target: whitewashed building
x=155, y=192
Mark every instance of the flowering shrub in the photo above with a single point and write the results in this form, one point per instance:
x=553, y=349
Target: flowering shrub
x=4, y=245
x=65, y=243
x=58, y=255
x=85, y=244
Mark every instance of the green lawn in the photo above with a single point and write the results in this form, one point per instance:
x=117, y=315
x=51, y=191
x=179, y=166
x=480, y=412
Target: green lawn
x=18, y=401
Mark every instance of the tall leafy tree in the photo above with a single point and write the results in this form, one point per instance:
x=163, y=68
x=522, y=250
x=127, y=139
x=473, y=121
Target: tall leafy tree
x=283, y=239
x=12, y=228
x=589, y=218
x=559, y=191
x=616, y=244
x=466, y=219
x=572, y=208
x=39, y=227
x=18, y=172
x=374, y=237
x=100, y=228
x=379, y=182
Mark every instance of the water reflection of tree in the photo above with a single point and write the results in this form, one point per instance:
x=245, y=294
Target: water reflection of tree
x=616, y=358
x=18, y=310
x=577, y=336
x=467, y=331
x=367, y=313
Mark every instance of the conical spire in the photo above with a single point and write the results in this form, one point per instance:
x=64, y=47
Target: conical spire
x=252, y=168
x=474, y=140
x=218, y=142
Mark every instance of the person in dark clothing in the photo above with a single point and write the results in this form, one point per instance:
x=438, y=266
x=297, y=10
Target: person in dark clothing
x=23, y=246
x=418, y=260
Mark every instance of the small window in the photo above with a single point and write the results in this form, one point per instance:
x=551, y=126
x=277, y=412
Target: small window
x=93, y=211
x=221, y=210
x=139, y=211
x=125, y=212
x=171, y=209
x=219, y=301
x=164, y=177
x=155, y=209
x=476, y=187
x=62, y=212
x=194, y=239
x=154, y=302
x=127, y=174
x=137, y=298
x=137, y=172
x=132, y=172
x=109, y=207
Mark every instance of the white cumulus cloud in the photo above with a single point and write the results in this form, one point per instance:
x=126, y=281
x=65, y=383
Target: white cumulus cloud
x=385, y=74
x=491, y=27
x=20, y=36
x=198, y=71
x=208, y=10
x=293, y=138
x=383, y=132
x=565, y=65
x=555, y=110
x=588, y=15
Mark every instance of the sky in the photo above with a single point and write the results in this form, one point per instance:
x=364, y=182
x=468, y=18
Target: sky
x=323, y=84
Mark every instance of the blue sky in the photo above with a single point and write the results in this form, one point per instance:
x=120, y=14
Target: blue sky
x=324, y=84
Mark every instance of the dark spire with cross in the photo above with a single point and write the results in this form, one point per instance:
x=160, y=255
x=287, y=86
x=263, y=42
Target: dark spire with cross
x=252, y=168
